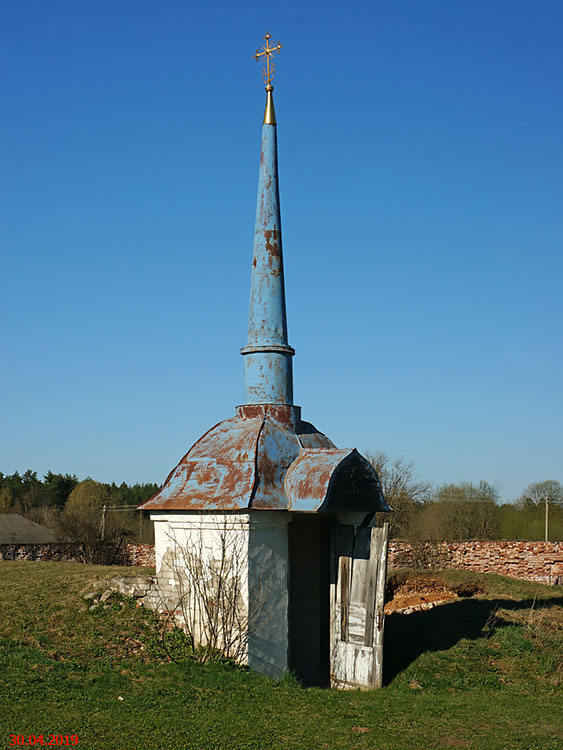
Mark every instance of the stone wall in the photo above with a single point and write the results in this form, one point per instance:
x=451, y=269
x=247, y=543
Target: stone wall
x=139, y=554
x=131, y=554
x=54, y=551
x=532, y=561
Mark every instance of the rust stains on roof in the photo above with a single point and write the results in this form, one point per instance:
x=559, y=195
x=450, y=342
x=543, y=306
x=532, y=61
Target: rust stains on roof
x=267, y=458
x=333, y=480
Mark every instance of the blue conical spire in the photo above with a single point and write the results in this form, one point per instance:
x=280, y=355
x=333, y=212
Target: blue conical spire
x=268, y=375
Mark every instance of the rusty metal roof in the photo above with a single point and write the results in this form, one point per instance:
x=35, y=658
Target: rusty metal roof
x=267, y=458
x=218, y=471
x=333, y=480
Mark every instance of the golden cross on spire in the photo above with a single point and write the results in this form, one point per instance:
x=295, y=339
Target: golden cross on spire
x=269, y=70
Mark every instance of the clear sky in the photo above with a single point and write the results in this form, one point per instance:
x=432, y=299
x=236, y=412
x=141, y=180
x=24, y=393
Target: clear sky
x=421, y=176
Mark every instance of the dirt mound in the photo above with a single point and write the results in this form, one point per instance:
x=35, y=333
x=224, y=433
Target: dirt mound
x=409, y=592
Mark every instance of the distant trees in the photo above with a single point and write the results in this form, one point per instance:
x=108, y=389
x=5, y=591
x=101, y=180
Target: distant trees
x=549, y=492
x=420, y=512
x=48, y=501
x=6, y=500
x=403, y=490
x=459, y=511
x=84, y=520
x=464, y=510
x=30, y=496
x=57, y=489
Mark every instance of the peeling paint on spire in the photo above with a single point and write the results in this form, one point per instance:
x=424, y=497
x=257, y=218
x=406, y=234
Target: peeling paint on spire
x=268, y=376
x=266, y=457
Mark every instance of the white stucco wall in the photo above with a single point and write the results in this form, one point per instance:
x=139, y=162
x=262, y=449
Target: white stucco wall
x=256, y=544
x=269, y=587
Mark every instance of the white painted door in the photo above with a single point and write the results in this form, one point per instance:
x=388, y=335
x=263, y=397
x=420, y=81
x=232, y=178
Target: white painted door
x=357, y=594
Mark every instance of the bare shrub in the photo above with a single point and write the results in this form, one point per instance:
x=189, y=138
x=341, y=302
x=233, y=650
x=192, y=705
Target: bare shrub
x=428, y=555
x=100, y=536
x=212, y=603
x=466, y=589
x=402, y=489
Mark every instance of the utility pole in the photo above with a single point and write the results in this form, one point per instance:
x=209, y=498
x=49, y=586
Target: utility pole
x=117, y=509
x=546, y=517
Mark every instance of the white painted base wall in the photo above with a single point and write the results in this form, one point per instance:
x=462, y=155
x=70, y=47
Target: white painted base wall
x=256, y=543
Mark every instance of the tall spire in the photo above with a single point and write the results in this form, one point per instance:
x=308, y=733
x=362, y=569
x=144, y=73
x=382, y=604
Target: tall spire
x=268, y=377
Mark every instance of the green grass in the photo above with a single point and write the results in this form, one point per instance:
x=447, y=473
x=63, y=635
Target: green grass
x=483, y=672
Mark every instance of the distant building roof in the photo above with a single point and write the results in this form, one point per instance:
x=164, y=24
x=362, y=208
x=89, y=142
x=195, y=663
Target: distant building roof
x=15, y=529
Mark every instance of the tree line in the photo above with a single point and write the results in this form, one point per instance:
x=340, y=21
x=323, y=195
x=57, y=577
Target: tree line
x=74, y=509
x=449, y=512
x=420, y=512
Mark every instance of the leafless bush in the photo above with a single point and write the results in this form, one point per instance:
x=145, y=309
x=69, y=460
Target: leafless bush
x=428, y=555
x=466, y=589
x=100, y=537
x=402, y=489
x=212, y=602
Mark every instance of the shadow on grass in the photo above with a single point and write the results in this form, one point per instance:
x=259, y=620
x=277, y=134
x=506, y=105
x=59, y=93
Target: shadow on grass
x=440, y=628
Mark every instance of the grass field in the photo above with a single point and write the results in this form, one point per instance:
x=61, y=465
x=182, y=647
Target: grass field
x=483, y=672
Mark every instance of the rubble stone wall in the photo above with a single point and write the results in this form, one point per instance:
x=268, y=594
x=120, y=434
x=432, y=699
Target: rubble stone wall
x=139, y=554
x=532, y=561
x=131, y=554
x=54, y=551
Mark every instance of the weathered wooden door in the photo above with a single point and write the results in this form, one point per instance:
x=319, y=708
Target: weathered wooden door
x=357, y=593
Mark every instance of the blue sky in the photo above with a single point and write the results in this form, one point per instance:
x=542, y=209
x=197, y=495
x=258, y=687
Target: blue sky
x=421, y=176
